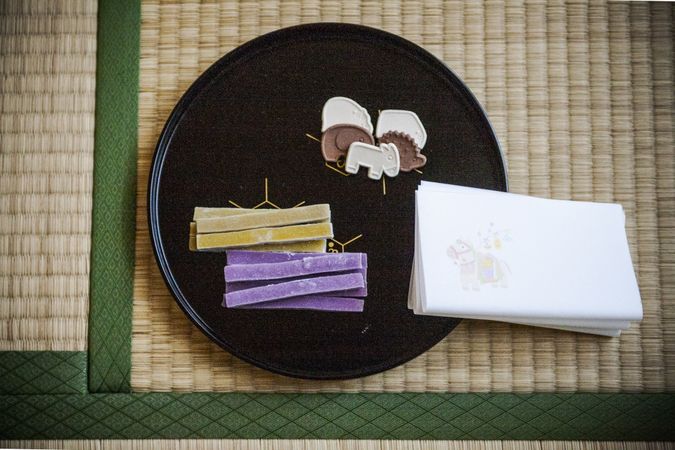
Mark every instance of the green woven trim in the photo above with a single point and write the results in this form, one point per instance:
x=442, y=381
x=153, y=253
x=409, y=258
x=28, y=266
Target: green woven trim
x=43, y=372
x=361, y=416
x=115, y=143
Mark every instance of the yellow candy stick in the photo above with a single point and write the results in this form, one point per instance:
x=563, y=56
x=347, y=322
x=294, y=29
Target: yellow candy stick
x=246, y=238
x=192, y=242
x=208, y=213
x=316, y=246
x=265, y=219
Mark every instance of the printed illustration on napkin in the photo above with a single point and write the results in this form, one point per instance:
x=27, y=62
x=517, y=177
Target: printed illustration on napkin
x=480, y=261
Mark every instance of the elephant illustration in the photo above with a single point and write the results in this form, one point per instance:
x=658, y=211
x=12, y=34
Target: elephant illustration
x=477, y=268
x=384, y=158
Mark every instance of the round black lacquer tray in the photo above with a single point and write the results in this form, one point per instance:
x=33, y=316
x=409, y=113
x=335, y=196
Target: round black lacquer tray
x=243, y=134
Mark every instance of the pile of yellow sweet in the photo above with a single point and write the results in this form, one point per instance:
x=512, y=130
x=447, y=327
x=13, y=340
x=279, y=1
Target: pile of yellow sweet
x=301, y=229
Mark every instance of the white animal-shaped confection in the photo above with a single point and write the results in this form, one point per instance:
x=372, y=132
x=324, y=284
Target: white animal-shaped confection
x=345, y=111
x=402, y=121
x=384, y=158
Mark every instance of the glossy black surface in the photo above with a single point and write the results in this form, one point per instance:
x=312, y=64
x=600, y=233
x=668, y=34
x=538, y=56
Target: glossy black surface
x=245, y=120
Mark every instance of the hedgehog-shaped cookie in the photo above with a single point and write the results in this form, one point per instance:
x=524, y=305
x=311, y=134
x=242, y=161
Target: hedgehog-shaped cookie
x=409, y=152
x=405, y=130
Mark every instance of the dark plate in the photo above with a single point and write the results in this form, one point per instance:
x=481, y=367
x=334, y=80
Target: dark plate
x=244, y=121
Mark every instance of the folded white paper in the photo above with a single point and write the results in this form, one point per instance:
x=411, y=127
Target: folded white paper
x=507, y=257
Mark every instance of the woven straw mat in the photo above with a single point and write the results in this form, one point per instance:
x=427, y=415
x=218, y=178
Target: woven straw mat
x=47, y=87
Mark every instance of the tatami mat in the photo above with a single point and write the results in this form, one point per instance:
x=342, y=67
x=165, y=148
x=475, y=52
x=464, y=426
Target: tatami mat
x=47, y=87
x=581, y=96
x=47, y=67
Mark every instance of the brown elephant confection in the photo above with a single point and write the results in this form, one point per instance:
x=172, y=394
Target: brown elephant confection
x=409, y=152
x=335, y=141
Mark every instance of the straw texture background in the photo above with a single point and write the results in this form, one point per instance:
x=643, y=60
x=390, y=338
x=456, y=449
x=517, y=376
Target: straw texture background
x=205, y=444
x=581, y=96
x=47, y=65
x=47, y=87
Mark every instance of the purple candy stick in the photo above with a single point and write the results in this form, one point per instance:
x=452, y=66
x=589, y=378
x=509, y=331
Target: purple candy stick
x=254, y=257
x=316, y=303
x=241, y=285
x=327, y=263
x=295, y=288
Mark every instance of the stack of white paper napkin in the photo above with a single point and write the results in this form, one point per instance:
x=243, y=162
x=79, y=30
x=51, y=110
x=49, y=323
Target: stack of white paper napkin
x=490, y=255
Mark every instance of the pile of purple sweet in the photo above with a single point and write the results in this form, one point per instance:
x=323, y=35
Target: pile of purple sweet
x=280, y=280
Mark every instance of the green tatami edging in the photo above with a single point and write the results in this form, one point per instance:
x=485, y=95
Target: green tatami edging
x=113, y=220
x=360, y=416
x=43, y=372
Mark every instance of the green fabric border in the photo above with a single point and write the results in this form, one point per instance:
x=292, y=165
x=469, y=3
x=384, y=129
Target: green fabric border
x=360, y=416
x=113, y=220
x=47, y=372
